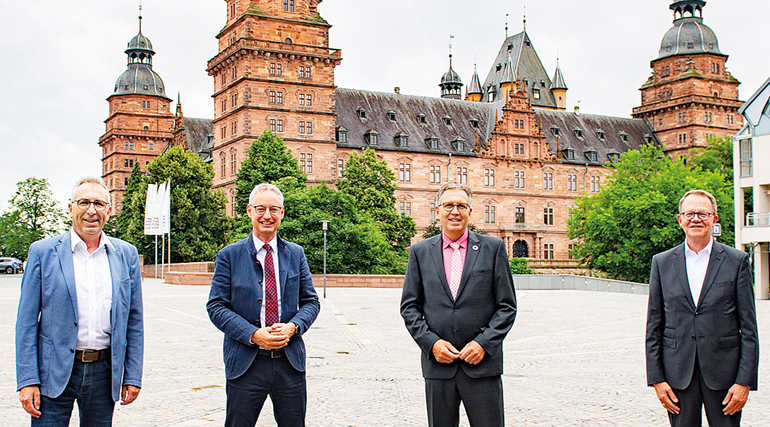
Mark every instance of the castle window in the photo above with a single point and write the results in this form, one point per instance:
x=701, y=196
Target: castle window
x=288, y=5
x=306, y=162
x=547, y=181
x=232, y=9
x=595, y=184
x=391, y=116
x=272, y=125
x=555, y=131
x=421, y=119
x=361, y=113
x=271, y=97
x=125, y=181
x=233, y=99
x=729, y=119
x=405, y=208
x=542, y=83
x=647, y=138
x=278, y=70
x=600, y=134
x=614, y=157
x=474, y=123
x=491, y=94
x=518, y=179
x=432, y=142
x=462, y=175
x=342, y=135
x=404, y=172
x=569, y=153
x=309, y=100
x=224, y=105
x=223, y=131
x=304, y=72
x=536, y=93
x=272, y=68
x=432, y=210
x=371, y=137
x=579, y=133
x=222, y=164
x=151, y=146
x=279, y=125
x=591, y=155
x=548, y=216
x=301, y=126
x=548, y=251
x=459, y=144
x=279, y=97
x=623, y=136
x=447, y=121
x=489, y=214
x=287, y=40
x=571, y=182
x=401, y=140
x=340, y=168
x=489, y=177
x=309, y=127
x=235, y=73
x=301, y=99
x=233, y=162
x=707, y=117
x=435, y=174
x=234, y=129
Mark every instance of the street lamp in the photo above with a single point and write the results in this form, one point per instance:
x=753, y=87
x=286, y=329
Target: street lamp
x=325, y=224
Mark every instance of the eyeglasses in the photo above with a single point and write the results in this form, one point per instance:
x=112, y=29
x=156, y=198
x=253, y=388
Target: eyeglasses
x=86, y=204
x=449, y=207
x=260, y=210
x=688, y=215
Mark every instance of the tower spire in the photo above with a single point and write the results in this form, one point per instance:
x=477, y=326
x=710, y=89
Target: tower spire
x=525, y=19
x=140, y=16
x=506, y=26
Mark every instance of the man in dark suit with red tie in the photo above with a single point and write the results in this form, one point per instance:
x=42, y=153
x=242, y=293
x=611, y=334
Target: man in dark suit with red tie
x=458, y=304
x=262, y=297
x=702, y=343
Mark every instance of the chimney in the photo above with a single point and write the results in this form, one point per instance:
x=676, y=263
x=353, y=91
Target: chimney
x=577, y=110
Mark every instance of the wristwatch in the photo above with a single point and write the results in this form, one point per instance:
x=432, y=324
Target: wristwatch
x=296, y=328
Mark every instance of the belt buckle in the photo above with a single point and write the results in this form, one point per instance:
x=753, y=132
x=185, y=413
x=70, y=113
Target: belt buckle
x=275, y=354
x=85, y=356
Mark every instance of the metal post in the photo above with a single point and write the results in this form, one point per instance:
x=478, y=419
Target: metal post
x=156, y=256
x=162, y=255
x=325, y=222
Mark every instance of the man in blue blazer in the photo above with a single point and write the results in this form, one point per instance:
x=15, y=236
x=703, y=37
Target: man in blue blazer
x=79, y=329
x=458, y=304
x=262, y=297
x=702, y=343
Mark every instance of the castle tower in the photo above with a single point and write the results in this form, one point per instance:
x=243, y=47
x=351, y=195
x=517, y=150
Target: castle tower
x=451, y=85
x=274, y=71
x=690, y=94
x=559, y=88
x=473, y=91
x=140, y=122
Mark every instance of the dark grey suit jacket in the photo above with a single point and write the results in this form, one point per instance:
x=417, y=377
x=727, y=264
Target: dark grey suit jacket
x=721, y=329
x=484, y=310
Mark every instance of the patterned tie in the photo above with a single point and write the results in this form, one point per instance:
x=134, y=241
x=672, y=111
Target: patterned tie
x=457, y=270
x=271, y=293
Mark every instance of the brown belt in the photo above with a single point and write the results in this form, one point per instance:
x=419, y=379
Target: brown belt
x=88, y=356
x=274, y=354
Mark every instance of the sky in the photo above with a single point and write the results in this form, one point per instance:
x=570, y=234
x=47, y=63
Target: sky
x=60, y=60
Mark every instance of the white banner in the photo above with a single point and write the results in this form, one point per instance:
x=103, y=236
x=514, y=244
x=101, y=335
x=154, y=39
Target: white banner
x=151, y=211
x=165, y=215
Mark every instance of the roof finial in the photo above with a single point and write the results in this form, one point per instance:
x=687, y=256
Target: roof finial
x=525, y=19
x=450, y=50
x=140, y=16
x=506, y=26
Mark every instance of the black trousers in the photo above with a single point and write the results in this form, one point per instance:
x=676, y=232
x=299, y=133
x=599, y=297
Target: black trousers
x=482, y=398
x=267, y=377
x=697, y=396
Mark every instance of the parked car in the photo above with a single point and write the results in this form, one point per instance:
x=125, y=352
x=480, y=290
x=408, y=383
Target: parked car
x=11, y=265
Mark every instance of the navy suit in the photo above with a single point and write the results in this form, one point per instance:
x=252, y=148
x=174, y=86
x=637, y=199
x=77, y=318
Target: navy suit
x=46, y=324
x=716, y=336
x=236, y=298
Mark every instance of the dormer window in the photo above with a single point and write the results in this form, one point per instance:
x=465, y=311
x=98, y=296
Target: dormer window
x=401, y=140
x=447, y=121
x=371, y=137
x=474, y=123
x=600, y=135
x=392, y=116
x=459, y=144
x=536, y=93
x=491, y=94
x=542, y=83
x=342, y=135
x=555, y=131
x=614, y=157
x=623, y=136
x=569, y=153
x=421, y=119
x=432, y=142
x=592, y=155
x=579, y=133
x=647, y=138
x=361, y=113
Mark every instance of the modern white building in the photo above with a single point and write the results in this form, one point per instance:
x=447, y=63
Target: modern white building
x=751, y=169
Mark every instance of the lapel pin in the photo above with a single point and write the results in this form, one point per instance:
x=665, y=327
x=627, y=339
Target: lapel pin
x=475, y=247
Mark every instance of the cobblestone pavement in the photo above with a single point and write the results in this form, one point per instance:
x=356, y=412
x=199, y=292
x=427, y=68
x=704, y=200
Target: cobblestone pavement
x=573, y=358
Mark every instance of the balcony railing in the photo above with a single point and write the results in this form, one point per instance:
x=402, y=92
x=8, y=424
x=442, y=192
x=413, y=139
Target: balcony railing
x=757, y=219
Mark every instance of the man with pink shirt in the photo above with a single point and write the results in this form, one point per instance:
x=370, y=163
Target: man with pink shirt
x=458, y=304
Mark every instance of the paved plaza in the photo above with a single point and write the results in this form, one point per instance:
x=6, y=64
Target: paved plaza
x=573, y=358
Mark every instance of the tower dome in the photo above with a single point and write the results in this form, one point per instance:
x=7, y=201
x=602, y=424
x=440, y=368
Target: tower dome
x=139, y=78
x=688, y=35
x=451, y=85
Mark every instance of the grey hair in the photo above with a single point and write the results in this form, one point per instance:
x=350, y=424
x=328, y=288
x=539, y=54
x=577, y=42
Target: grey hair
x=265, y=187
x=453, y=186
x=703, y=193
x=90, y=180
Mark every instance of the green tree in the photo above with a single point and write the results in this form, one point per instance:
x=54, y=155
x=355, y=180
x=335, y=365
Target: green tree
x=132, y=207
x=32, y=214
x=268, y=161
x=717, y=156
x=372, y=184
x=199, y=225
x=633, y=217
x=520, y=266
x=355, y=244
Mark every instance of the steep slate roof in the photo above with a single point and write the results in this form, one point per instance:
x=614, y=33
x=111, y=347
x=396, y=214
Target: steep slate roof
x=197, y=132
x=526, y=66
x=638, y=131
x=407, y=108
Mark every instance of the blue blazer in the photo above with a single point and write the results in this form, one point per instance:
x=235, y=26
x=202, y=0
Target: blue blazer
x=46, y=324
x=236, y=296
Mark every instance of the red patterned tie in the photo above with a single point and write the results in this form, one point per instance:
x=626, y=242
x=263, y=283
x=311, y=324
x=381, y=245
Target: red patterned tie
x=271, y=293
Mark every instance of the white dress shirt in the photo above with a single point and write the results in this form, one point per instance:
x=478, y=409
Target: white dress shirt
x=261, y=252
x=697, y=264
x=93, y=286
